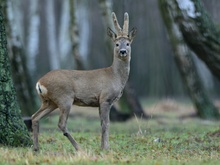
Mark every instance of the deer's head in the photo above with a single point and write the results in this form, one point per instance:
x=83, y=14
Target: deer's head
x=122, y=38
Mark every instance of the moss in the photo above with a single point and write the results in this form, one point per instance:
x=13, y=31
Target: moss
x=12, y=129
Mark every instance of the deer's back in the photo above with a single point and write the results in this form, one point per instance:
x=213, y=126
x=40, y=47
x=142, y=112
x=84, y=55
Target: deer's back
x=85, y=87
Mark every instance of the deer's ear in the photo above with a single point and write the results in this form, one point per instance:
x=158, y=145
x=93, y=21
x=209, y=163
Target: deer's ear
x=132, y=34
x=111, y=34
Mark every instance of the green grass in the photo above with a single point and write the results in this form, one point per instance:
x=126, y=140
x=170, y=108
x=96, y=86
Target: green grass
x=188, y=141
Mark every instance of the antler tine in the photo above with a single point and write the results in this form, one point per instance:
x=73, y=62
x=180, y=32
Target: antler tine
x=117, y=26
x=126, y=24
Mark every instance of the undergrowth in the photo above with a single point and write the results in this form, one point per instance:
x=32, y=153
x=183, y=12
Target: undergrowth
x=159, y=140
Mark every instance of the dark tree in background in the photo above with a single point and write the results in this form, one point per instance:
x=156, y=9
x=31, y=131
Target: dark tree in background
x=129, y=104
x=12, y=129
x=20, y=72
x=171, y=11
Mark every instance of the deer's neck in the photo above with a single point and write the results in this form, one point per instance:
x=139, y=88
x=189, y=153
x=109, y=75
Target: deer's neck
x=121, y=69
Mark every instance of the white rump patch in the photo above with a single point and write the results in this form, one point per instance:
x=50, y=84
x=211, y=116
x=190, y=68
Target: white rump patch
x=41, y=90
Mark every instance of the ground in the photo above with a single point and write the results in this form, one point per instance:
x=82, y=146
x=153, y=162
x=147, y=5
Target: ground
x=172, y=135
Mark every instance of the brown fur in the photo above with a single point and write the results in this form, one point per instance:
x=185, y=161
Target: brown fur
x=99, y=88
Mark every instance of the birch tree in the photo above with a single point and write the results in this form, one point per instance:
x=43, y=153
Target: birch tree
x=33, y=35
x=64, y=35
x=74, y=33
x=82, y=23
x=20, y=71
x=54, y=58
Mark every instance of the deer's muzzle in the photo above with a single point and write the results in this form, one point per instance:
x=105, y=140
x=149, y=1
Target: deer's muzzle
x=123, y=52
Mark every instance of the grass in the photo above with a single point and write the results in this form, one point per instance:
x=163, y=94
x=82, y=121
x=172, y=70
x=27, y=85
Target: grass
x=163, y=139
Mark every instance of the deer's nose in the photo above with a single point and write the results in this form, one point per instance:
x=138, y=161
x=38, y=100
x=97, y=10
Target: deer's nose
x=123, y=51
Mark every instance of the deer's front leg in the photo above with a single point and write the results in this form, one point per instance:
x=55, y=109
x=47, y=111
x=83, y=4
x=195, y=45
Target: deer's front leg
x=104, y=110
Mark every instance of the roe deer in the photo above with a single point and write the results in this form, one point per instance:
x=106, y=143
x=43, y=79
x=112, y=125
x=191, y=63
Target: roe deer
x=97, y=88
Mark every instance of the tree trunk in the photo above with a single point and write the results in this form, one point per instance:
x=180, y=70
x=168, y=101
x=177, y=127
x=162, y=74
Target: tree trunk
x=75, y=37
x=53, y=48
x=133, y=101
x=183, y=57
x=200, y=33
x=21, y=77
x=64, y=39
x=129, y=99
x=33, y=35
x=12, y=129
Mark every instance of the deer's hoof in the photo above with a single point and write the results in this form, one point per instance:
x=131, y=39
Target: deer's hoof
x=65, y=134
x=36, y=149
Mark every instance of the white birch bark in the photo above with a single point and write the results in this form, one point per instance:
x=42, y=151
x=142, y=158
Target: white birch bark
x=11, y=21
x=51, y=36
x=64, y=38
x=106, y=8
x=19, y=69
x=15, y=9
x=33, y=34
x=82, y=20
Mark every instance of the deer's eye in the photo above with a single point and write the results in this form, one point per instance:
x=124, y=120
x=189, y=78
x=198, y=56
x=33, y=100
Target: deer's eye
x=127, y=44
x=117, y=45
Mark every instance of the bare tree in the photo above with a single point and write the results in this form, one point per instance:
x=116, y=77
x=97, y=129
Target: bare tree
x=54, y=58
x=82, y=30
x=200, y=33
x=74, y=31
x=33, y=35
x=20, y=72
x=185, y=63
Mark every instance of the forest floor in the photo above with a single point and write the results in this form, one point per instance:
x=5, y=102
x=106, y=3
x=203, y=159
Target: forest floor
x=172, y=135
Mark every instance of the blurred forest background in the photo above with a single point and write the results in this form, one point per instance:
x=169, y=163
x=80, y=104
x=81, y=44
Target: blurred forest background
x=42, y=29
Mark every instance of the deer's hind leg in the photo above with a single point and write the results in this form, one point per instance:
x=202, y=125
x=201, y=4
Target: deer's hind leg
x=46, y=107
x=64, y=113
